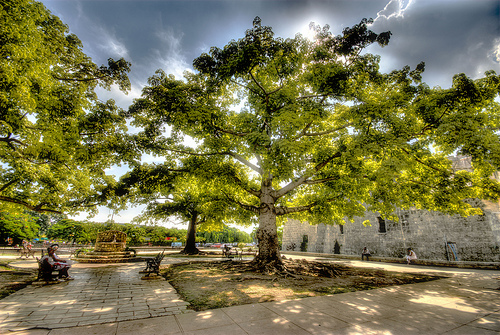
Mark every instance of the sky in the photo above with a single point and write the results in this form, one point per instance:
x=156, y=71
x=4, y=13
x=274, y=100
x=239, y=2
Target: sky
x=450, y=36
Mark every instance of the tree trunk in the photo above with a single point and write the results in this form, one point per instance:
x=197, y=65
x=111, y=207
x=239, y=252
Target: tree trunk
x=269, y=254
x=190, y=247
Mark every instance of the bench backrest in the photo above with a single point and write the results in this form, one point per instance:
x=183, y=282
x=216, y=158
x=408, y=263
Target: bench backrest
x=160, y=256
x=44, y=263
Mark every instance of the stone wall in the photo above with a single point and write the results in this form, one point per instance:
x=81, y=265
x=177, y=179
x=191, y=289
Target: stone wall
x=431, y=234
x=111, y=236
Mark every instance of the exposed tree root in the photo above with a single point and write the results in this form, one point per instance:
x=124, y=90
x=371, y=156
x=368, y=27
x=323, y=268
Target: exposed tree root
x=193, y=251
x=283, y=268
x=287, y=268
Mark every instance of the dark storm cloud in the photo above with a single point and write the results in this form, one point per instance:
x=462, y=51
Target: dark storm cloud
x=450, y=36
x=142, y=30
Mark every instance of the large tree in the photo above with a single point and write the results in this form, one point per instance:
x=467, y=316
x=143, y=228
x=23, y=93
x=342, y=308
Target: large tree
x=56, y=137
x=312, y=129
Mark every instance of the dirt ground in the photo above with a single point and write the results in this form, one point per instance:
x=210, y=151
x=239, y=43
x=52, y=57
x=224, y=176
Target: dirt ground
x=214, y=284
x=12, y=279
x=208, y=285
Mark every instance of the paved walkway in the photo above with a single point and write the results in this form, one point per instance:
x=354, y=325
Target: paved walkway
x=113, y=300
x=99, y=294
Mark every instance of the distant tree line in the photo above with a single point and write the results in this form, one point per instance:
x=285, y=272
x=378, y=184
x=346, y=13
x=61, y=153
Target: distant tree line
x=226, y=235
x=30, y=225
x=15, y=227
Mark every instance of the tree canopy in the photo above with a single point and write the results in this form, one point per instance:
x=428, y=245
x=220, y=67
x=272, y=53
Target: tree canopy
x=56, y=136
x=172, y=193
x=313, y=130
x=17, y=226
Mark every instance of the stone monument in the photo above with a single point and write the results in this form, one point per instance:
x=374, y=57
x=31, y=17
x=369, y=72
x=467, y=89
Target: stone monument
x=109, y=248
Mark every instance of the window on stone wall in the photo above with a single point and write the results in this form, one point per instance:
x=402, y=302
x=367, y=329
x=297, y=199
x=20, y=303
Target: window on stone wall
x=403, y=219
x=341, y=229
x=303, y=245
x=381, y=225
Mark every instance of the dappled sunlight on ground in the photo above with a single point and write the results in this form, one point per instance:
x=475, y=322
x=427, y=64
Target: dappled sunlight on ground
x=434, y=300
x=468, y=302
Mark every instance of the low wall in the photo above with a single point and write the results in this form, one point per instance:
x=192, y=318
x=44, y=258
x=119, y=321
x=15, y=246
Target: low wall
x=426, y=262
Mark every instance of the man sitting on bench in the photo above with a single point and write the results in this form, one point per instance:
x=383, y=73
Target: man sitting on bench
x=365, y=253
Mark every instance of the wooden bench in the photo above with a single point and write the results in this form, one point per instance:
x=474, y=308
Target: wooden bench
x=153, y=264
x=46, y=272
x=229, y=252
x=250, y=251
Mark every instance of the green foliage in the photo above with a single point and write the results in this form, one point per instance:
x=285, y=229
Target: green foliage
x=18, y=226
x=224, y=235
x=135, y=234
x=312, y=130
x=86, y=232
x=73, y=231
x=44, y=220
x=56, y=137
x=83, y=250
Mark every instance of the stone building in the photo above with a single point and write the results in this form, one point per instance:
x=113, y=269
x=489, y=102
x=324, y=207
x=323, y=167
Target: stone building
x=432, y=235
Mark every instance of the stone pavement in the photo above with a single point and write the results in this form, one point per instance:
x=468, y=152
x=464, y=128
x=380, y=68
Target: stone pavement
x=99, y=294
x=467, y=302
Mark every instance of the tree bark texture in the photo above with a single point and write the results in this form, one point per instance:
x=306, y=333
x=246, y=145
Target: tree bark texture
x=267, y=234
x=190, y=247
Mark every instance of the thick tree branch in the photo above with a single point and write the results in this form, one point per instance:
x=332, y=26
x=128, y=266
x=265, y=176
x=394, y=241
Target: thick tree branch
x=329, y=131
x=276, y=90
x=223, y=153
x=4, y=187
x=294, y=184
x=421, y=183
x=38, y=208
x=231, y=132
x=246, y=87
x=288, y=210
x=429, y=126
x=323, y=96
x=423, y=163
x=9, y=140
x=319, y=181
x=226, y=153
x=305, y=133
x=245, y=188
x=82, y=79
x=258, y=84
x=245, y=162
x=251, y=208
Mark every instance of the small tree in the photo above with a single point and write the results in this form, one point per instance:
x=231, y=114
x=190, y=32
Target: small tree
x=170, y=192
